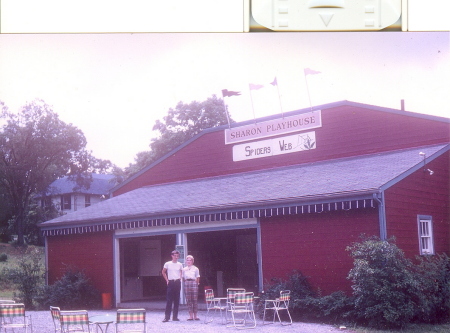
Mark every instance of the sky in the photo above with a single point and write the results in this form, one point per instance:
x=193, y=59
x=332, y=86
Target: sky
x=115, y=86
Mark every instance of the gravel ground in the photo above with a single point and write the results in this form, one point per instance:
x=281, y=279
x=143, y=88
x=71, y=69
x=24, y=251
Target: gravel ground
x=42, y=323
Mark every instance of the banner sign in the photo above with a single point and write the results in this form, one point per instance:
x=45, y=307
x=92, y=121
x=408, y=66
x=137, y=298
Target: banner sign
x=300, y=122
x=278, y=146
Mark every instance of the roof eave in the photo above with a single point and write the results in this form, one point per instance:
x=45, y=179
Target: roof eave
x=256, y=205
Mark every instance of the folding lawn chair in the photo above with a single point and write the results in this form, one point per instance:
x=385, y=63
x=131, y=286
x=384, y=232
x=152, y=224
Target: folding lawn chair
x=277, y=305
x=74, y=321
x=213, y=304
x=13, y=316
x=231, y=292
x=133, y=318
x=242, y=311
x=55, y=312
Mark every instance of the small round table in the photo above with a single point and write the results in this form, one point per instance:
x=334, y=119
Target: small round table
x=99, y=320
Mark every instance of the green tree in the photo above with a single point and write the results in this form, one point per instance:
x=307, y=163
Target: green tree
x=181, y=124
x=36, y=148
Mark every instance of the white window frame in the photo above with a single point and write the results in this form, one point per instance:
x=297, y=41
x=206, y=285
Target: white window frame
x=66, y=202
x=87, y=200
x=426, y=236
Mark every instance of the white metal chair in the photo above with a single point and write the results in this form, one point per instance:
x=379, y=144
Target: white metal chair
x=74, y=321
x=242, y=311
x=277, y=305
x=133, y=318
x=12, y=316
x=213, y=304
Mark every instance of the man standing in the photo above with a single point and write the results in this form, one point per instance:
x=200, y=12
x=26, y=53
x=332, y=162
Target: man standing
x=172, y=272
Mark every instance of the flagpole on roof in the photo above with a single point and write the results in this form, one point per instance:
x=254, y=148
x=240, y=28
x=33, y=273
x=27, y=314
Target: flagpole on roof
x=275, y=83
x=226, y=113
x=308, y=71
x=228, y=93
x=251, y=87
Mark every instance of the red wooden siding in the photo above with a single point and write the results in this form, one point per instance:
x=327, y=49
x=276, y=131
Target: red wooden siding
x=420, y=194
x=91, y=252
x=315, y=245
x=346, y=131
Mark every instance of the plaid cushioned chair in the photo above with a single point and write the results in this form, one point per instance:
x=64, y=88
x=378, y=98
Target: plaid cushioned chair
x=277, y=305
x=55, y=312
x=242, y=311
x=13, y=316
x=133, y=318
x=74, y=321
x=213, y=304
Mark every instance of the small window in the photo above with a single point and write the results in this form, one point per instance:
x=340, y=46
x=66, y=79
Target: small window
x=426, y=239
x=46, y=202
x=87, y=200
x=66, y=203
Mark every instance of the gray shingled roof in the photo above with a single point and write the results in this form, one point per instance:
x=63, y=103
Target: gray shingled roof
x=350, y=177
x=101, y=184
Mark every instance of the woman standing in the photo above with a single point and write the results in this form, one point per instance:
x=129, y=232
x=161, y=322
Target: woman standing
x=191, y=278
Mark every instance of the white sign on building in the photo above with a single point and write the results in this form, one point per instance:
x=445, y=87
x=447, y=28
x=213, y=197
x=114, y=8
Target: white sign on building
x=274, y=127
x=277, y=146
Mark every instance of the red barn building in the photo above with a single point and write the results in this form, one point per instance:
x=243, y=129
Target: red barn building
x=261, y=198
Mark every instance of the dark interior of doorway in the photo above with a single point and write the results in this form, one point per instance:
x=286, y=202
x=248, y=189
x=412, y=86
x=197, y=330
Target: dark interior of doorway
x=226, y=259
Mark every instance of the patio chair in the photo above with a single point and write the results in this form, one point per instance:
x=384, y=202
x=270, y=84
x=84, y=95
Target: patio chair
x=74, y=321
x=133, y=318
x=277, y=305
x=213, y=304
x=230, y=299
x=242, y=311
x=13, y=316
x=55, y=312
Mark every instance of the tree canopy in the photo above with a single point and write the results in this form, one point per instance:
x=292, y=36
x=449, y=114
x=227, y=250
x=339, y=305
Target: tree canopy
x=36, y=148
x=181, y=124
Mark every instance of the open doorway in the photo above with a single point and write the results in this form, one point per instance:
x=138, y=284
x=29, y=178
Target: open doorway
x=226, y=259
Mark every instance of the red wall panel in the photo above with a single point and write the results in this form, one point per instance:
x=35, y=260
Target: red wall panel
x=346, y=131
x=91, y=252
x=420, y=194
x=315, y=244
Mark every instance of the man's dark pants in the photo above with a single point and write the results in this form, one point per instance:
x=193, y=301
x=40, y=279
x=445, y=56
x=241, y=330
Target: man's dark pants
x=173, y=296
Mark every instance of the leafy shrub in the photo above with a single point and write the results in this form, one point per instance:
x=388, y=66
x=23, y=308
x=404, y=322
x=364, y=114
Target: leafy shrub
x=27, y=275
x=3, y=257
x=334, y=308
x=306, y=305
x=73, y=291
x=433, y=276
x=385, y=289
